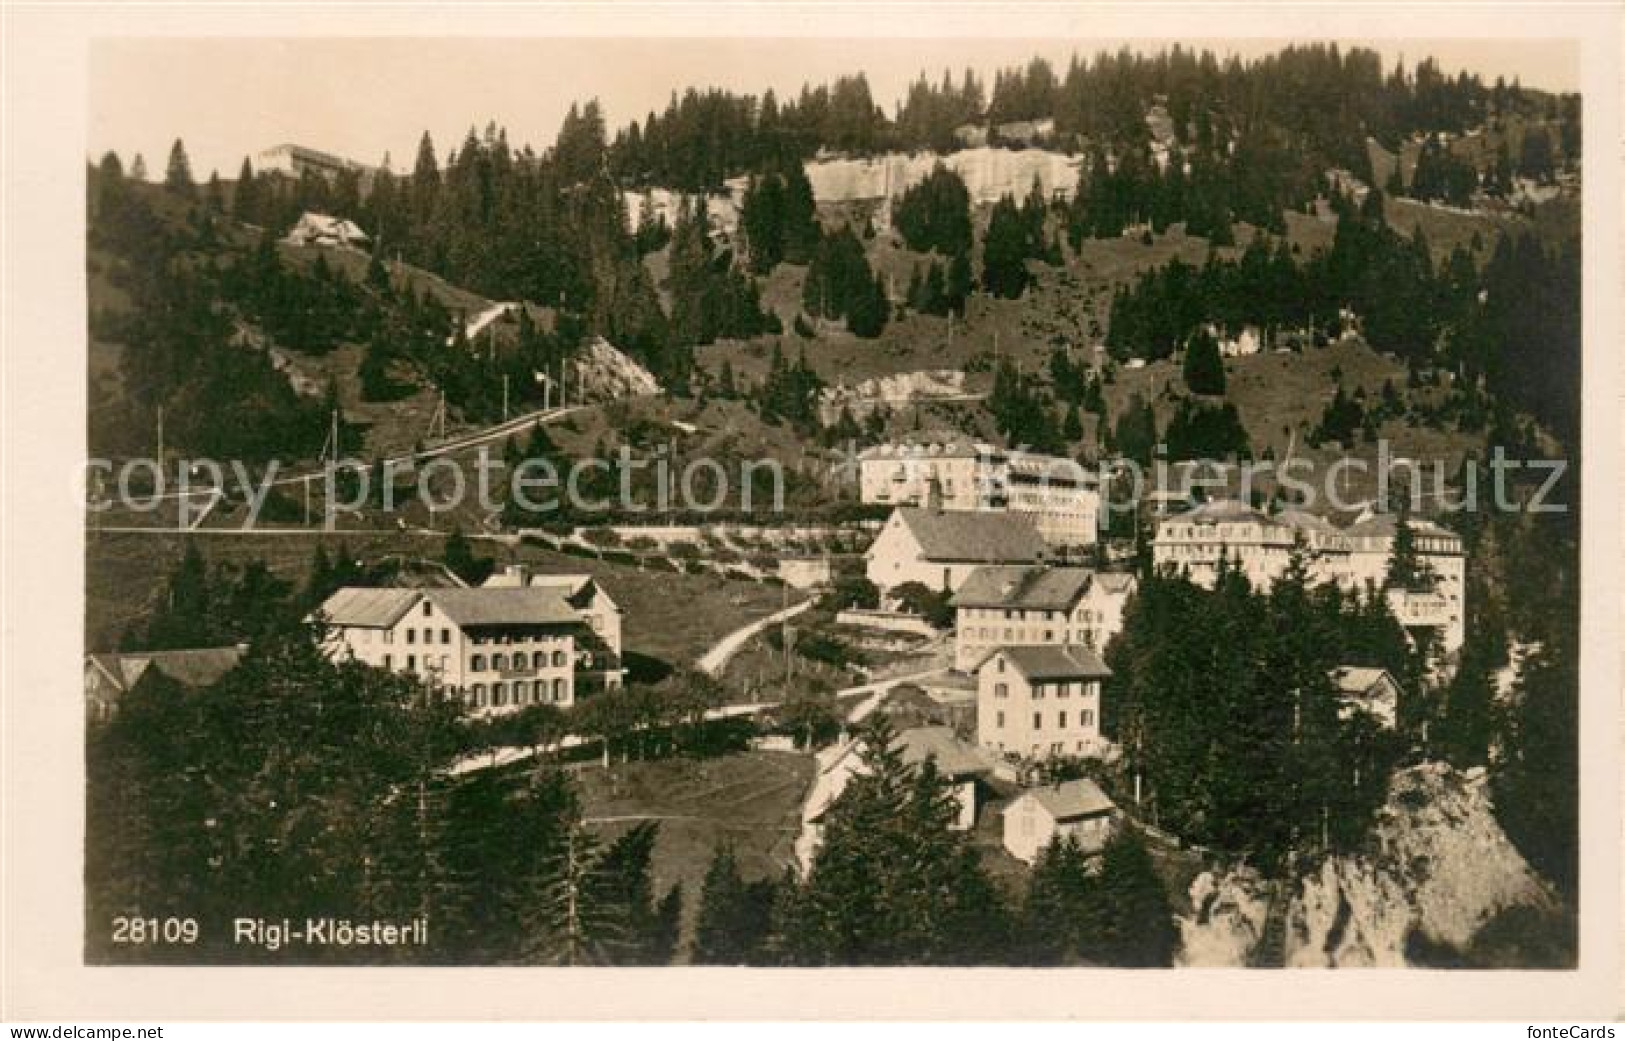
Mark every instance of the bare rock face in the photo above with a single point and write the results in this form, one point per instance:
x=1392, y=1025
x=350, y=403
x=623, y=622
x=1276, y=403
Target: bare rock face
x=1228, y=919
x=1439, y=865
x=608, y=373
x=898, y=389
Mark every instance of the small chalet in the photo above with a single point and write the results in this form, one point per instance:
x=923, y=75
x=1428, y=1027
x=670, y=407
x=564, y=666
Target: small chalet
x=1039, y=816
x=1369, y=690
x=109, y=677
x=319, y=229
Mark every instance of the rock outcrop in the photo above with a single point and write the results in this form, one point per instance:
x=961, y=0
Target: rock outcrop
x=1439, y=867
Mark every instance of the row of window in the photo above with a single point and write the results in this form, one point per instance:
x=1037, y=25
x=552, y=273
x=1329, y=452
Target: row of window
x=1064, y=689
x=521, y=693
x=988, y=634
x=502, y=662
x=1055, y=748
x=1021, y=614
x=1086, y=719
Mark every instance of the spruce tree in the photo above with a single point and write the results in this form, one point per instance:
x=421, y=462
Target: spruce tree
x=178, y=174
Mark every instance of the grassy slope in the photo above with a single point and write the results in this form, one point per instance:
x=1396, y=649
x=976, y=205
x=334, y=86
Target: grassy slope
x=750, y=801
x=125, y=574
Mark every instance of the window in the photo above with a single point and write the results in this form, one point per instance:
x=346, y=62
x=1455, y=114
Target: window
x=411, y=636
x=411, y=662
x=538, y=660
x=499, y=662
x=389, y=636
x=477, y=663
x=499, y=693
x=1038, y=692
x=1001, y=657
x=558, y=659
x=558, y=690
x=998, y=719
x=479, y=695
x=388, y=664
x=538, y=691
x=1060, y=721
x=1038, y=721
x=428, y=609
x=1001, y=690
x=1086, y=718
x=1062, y=690
x=445, y=636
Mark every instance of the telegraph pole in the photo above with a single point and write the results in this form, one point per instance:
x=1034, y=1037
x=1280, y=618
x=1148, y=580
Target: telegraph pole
x=504, y=397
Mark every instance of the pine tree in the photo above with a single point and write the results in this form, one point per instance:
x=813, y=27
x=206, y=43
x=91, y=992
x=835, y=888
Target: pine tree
x=178, y=174
x=735, y=917
x=1131, y=923
x=1204, y=368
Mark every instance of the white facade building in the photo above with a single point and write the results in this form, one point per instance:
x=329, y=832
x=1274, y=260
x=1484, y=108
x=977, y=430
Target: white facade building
x=940, y=548
x=1059, y=495
x=1074, y=809
x=500, y=649
x=1038, y=702
x=1355, y=557
x=1012, y=606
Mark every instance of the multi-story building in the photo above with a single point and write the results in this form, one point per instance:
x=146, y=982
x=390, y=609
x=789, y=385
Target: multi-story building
x=600, y=661
x=940, y=548
x=296, y=160
x=1356, y=557
x=501, y=649
x=1038, y=702
x=1013, y=606
x=955, y=473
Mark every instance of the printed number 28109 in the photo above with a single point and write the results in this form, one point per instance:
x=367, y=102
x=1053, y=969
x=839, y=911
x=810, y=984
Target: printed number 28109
x=154, y=930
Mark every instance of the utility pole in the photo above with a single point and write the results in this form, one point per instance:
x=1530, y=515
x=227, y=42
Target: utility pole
x=160, y=437
x=504, y=397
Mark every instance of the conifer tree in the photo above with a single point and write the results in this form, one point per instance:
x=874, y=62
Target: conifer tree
x=178, y=174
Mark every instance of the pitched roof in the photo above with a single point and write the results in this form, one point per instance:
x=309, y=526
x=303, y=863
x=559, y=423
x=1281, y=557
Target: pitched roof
x=531, y=605
x=368, y=607
x=973, y=535
x=1030, y=587
x=1387, y=524
x=190, y=667
x=382, y=608
x=577, y=586
x=1072, y=800
x=954, y=758
x=930, y=446
x=1357, y=679
x=1225, y=510
x=1051, y=662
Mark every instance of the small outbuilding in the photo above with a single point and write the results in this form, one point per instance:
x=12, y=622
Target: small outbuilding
x=1039, y=816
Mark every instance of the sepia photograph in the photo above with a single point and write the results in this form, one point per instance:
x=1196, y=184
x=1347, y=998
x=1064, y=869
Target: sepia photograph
x=1048, y=501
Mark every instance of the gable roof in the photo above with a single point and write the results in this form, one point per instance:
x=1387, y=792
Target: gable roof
x=578, y=587
x=529, y=605
x=382, y=608
x=973, y=535
x=367, y=607
x=190, y=667
x=1072, y=800
x=1032, y=586
x=1358, y=679
x=1052, y=662
x=954, y=757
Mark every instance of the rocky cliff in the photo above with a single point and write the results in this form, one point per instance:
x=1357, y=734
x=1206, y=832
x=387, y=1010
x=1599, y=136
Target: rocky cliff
x=1438, y=868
